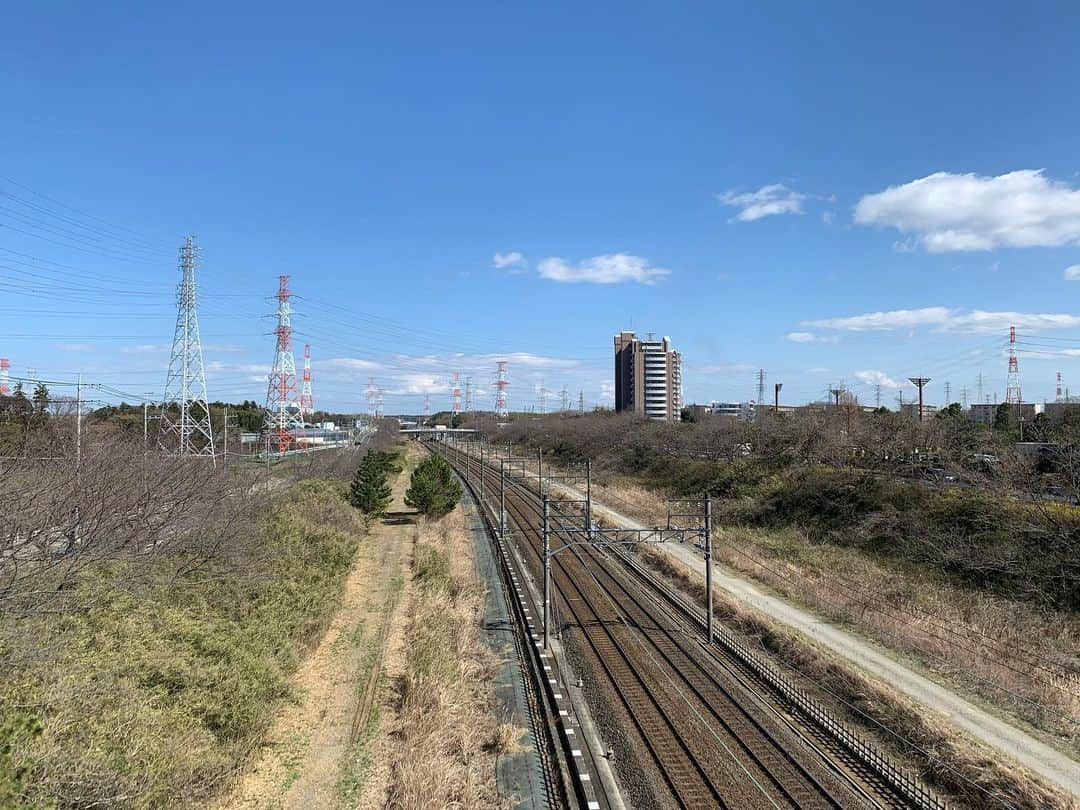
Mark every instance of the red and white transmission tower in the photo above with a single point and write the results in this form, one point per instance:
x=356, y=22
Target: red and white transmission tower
x=283, y=411
x=372, y=393
x=455, y=402
x=1012, y=382
x=307, y=402
x=5, y=376
x=500, y=390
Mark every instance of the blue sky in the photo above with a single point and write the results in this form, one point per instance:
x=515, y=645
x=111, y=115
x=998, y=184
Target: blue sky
x=754, y=180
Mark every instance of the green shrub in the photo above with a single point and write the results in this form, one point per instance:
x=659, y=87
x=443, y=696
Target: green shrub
x=370, y=490
x=433, y=490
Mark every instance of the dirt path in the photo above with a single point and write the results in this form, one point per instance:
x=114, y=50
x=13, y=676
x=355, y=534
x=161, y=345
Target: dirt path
x=309, y=760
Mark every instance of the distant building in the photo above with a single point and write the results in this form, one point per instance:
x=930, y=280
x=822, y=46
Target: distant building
x=648, y=377
x=1057, y=412
x=911, y=411
x=985, y=413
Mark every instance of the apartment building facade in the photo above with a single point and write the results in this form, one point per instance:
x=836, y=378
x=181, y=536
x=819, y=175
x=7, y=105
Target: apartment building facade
x=648, y=377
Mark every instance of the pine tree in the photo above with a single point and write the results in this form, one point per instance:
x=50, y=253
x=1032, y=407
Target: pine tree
x=433, y=490
x=370, y=490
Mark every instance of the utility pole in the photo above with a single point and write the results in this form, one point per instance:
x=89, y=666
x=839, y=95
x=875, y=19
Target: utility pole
x=78, y=433
x=502, y=502
x=481, y=471
x=547, y=574
x=709, y=567
x=919, y=382
x=588, y=500
x=776, y=397
x=836, y=392
x=225, y=441
x=760, y=394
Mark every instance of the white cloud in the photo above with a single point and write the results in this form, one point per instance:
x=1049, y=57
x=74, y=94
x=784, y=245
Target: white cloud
x=873, y=377
x=947, y=212
x=610, y=269
x=810, y=337
x=345, y=364
x=418, y=384
x=1072, y=272
x=944, y=319
x=767, y=201
x=509, y=260
x=146, y=348
x=74, y=347
x=827, y=217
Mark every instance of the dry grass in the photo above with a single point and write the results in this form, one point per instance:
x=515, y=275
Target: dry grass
x=951, y=762
x=445, y=755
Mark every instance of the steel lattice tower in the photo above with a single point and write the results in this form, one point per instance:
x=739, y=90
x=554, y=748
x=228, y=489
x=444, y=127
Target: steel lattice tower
x=427, y=407
x=500, y=390
x=468, y=395
x=185, y=414
x=1012, y=382
x=283, y=411
x=307, y=402
x=5, y=379
x=455, y=393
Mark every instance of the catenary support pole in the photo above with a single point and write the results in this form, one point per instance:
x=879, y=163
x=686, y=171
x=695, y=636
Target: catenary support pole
x=225, y=442
x=547, y=574
x=502, y=502
x=588, y=500
x=708, y=568
x=481, y=473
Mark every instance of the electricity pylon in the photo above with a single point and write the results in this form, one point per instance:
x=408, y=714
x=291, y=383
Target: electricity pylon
x=185, y=414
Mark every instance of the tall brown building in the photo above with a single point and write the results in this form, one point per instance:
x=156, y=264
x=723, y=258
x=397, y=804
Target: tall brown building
x=648, y=377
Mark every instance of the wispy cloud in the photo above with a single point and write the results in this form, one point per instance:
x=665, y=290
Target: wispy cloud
x=945, y=319
x=811, y=337
x=615, y=268
x=1072, y=272
x=146, y=348
x=75, y=347
x=948, y=212
x=506, y=261
x=767, y=201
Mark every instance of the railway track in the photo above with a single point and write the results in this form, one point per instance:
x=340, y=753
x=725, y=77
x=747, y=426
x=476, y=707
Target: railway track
x=715, y=737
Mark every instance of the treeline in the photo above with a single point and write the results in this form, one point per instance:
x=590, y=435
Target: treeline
x=859, y=483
